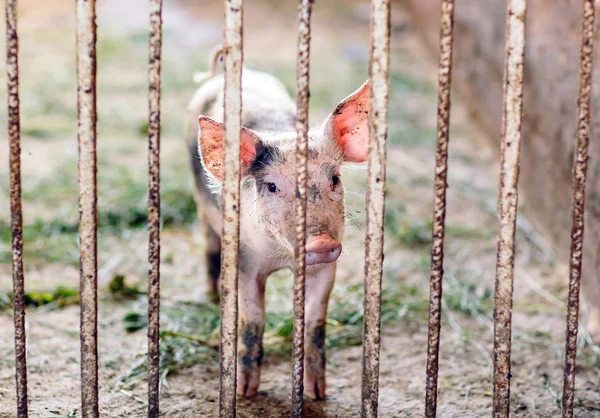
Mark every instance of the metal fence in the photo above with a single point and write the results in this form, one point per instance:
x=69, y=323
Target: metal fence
x=378, y=71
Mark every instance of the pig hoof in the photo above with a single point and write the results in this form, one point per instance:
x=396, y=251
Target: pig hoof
x=314, y=387
x=248, y=382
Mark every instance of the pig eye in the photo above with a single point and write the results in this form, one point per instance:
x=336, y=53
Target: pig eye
x=271, y=187
x=335, y=180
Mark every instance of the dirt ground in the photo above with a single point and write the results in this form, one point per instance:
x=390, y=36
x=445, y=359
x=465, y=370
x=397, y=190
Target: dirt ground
x=338, y=65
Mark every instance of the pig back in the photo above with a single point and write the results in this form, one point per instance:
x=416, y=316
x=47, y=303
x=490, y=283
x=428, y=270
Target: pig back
x=266, y=104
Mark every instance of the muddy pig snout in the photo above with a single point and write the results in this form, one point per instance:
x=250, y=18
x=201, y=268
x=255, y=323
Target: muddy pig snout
x=322, y=249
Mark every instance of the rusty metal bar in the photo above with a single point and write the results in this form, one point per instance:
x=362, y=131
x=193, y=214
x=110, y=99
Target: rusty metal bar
x=232, y=57
x=14, y=140
x=86, y=133
x=579, y=180
x=378, y=73
x=302, y=98
x=154, y=61
x=512, y=113
x=439, y=205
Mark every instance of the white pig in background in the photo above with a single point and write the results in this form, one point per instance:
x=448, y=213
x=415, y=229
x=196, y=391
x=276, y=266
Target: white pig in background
x=267, y=211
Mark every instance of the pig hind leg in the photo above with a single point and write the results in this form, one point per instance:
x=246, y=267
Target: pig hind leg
x=213, y=261
x=212, y=251
x=211, y=237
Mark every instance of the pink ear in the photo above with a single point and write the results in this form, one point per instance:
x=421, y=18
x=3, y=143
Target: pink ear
x=210, y=143
x=349, y=125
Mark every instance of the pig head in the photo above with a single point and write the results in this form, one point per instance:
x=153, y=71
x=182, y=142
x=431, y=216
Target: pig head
x=268, y=172
x=267, y=211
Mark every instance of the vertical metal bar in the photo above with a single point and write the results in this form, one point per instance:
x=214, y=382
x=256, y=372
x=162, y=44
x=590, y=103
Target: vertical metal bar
x=302, y=98
x=232, y=57
x=579, y=179
x=439, y=205
x=512, y=113
x=14, y=139
x=378, y=72
x=86, y=132
x=154, y=61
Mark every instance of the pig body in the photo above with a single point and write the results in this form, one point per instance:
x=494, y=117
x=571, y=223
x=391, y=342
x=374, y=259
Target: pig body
x=267, y=209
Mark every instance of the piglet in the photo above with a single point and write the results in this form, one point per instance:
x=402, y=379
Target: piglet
x=267, y=204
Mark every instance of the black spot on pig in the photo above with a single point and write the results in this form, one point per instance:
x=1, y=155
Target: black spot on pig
x=314, y=193
x=251, y=339
x=318, y=336
x=213, y=261
x=312, y=153
x=260, y=183
x=243, y=259
x=339, y=109
x=249, y=335
x=246, y=360
x=318, y=228
x=317, y=339
x=250, y=124
x=266, y=156
x=316, y=350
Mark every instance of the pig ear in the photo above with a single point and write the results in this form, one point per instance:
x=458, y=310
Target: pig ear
x=210, y=144
x=348, y=125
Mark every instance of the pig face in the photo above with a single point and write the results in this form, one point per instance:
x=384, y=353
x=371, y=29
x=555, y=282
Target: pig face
x=268, y=170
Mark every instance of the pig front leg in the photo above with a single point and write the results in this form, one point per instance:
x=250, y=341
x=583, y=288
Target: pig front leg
x=319, y=282
x=250, y=332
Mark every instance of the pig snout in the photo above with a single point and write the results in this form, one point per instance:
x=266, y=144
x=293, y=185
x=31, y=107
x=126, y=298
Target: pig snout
x=322, y=249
